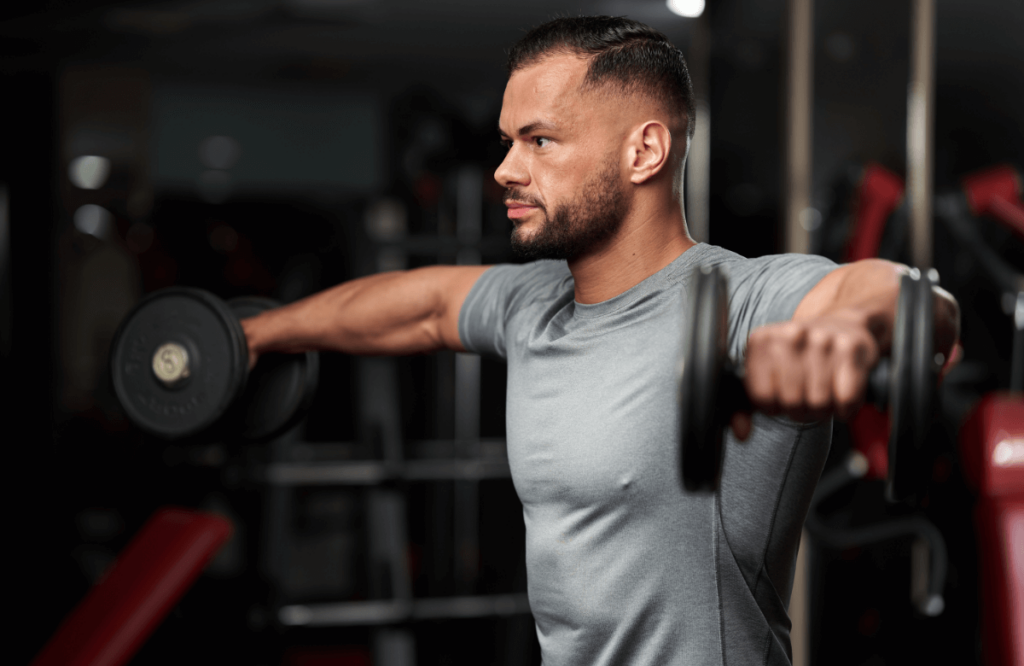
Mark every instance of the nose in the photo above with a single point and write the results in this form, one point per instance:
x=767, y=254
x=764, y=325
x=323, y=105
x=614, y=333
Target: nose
x=512, y=171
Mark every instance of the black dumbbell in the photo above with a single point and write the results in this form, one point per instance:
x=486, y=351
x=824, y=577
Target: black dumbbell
x=180, y=364
x=711, y=388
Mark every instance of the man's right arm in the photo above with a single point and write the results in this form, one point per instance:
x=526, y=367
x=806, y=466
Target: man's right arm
x=402, y=312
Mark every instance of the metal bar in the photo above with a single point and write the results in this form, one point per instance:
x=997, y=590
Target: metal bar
x=388, y=549
x=467, y=497
x=698, y=168
x=277, y=538
x=468, y=226
x=365, y=473
x=469, y=206
x=797, y=215
x=920, y=117
x=390, y=612
x=797, y=212
x=459, y=470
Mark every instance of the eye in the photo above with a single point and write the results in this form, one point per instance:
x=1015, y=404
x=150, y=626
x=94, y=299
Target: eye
x=506, y=143
x=541, y=141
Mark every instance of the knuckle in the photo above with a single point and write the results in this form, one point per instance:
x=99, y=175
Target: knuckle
x=820, y=338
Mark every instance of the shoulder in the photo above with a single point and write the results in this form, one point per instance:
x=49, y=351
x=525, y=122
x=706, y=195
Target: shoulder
x=533, y=280
x=768, y=264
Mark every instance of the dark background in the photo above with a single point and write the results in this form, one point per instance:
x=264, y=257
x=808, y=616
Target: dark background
x=339, y=105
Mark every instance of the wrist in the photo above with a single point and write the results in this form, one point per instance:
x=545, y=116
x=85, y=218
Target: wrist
x=257, y=336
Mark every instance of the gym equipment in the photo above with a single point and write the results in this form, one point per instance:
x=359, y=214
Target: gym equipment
x=953, y=210
x=996, y=192
x=992, y=451
x=281, y=386
x=145, y=582
x=180, y=364
x=879, y=193
x=869, y=460
x=711, y=388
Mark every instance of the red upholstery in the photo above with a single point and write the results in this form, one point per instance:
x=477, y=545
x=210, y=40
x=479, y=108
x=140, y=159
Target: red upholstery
x=878, y=195
x=142, y=586
x=997, y=192
x=992, y=448
x=992, y=445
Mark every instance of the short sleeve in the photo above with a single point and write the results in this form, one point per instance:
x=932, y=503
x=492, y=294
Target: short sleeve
x=501, y=293
x=768, y=290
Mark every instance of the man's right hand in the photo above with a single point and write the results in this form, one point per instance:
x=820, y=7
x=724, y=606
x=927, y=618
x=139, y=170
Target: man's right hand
x=250, y=326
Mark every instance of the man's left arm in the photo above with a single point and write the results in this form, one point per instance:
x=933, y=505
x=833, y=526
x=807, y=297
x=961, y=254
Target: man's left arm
x=817, y=364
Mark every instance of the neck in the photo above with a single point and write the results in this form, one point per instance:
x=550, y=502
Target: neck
x=650, y=238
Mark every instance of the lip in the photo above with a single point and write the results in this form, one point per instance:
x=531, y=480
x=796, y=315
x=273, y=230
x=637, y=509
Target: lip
x=518, y=210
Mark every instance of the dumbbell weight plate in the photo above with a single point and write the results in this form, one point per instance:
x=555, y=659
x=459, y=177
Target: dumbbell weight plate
x=178, y=361
x=702, y=416
x=912, y=387
x=280, y=387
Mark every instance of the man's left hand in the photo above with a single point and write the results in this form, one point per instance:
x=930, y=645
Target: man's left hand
x=810, y=369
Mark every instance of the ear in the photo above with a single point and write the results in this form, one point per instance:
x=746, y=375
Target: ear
x=649, y=149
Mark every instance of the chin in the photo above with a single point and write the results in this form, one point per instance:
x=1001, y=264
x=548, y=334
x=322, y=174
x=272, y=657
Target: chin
x=523, y=232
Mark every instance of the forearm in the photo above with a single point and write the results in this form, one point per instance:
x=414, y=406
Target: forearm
x=817, y=364
x=403, y=312
x=867, y=293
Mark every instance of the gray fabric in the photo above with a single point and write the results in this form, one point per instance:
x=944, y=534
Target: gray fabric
x=623, y=566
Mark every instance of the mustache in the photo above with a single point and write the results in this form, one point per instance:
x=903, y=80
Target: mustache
x=518, y=196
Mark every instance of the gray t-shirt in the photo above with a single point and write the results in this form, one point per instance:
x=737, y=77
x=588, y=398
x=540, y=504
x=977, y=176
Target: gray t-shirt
x=623, y=566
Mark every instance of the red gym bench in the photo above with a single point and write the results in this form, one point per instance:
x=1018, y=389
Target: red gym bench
x=141, y=587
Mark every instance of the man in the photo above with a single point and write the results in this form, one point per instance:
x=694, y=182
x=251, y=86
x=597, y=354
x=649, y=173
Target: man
x=624, y=567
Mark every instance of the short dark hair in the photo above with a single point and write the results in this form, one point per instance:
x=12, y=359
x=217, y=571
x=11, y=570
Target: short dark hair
x=636, y=57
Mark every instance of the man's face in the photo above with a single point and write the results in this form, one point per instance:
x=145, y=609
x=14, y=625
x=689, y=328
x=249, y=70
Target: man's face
x=562, y=176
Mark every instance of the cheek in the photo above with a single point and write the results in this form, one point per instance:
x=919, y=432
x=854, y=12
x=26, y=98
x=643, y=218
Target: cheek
x=559, y=180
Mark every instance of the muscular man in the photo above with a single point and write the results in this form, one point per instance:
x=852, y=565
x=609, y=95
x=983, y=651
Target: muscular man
x=623, y=566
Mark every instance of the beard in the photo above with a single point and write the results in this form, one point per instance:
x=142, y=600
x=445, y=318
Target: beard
x=577, y=227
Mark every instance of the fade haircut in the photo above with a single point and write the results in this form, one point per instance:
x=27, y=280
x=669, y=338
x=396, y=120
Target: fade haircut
x=626, y=53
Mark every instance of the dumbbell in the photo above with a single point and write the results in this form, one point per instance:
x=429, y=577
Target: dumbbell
x=179, y=364
x=711, y=387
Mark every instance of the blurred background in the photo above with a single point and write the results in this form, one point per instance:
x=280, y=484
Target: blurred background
x=278, y=147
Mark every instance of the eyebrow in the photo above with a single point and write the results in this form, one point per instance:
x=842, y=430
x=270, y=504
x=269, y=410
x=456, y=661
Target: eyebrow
x=530, y=128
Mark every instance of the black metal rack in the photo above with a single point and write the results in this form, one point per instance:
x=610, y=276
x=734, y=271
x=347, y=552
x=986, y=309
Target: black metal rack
x=461, y=461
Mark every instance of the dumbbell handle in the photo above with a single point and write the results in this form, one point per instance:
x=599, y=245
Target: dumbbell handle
x=735, y=397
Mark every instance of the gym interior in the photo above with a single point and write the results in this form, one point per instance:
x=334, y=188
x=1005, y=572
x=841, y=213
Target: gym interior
x=270, y=149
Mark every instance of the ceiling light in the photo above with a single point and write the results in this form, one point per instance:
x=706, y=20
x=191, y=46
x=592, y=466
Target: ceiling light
x=89, y=172
x=687, y=8
x=93, y=220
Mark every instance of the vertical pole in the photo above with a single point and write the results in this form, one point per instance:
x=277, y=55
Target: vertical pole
x=698, y=168
x=468, y=229
x=386, y=518
x=920, y=114
x=796, y=218
x=799, y=124
x=381, y=427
